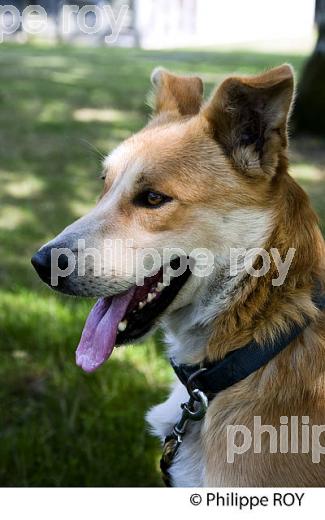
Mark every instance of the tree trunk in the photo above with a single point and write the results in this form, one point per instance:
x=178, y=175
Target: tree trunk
x=310, y=105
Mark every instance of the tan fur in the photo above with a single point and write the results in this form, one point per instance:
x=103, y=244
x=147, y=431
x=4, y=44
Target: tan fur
x=225, y=157
x=176, y=95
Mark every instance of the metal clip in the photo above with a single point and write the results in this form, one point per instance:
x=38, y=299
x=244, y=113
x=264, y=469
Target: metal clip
x=190, y=411
x=194, y=410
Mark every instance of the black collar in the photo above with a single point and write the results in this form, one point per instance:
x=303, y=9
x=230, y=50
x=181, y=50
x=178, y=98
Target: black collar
x=240, y=363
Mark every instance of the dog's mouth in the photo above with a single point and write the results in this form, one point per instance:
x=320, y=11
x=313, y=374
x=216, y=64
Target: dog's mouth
x=126, y=317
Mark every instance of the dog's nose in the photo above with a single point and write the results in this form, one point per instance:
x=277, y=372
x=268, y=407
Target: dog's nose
x=42, y=264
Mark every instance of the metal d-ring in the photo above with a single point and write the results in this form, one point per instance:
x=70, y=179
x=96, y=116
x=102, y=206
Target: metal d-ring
x=190, y=386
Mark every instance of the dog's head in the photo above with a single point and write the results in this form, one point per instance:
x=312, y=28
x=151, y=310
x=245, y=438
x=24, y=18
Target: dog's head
x=196, y=181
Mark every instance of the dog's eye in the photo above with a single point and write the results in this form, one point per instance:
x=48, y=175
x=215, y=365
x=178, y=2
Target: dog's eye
x=151, y=199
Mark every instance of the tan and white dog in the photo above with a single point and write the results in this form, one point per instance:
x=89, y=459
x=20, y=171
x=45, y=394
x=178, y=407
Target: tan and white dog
x=210, y=175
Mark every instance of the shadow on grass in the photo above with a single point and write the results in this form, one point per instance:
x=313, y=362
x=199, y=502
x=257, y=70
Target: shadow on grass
x=77, y=431
x=68, y=430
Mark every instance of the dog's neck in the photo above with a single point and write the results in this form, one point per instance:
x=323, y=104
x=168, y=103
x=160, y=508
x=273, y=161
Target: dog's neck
x=188, y=329
x=228, y=312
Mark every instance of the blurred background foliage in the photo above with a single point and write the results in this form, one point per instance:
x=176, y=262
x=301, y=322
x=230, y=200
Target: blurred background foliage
x=61, y=108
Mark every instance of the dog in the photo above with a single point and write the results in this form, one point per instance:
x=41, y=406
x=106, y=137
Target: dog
x=212, y=176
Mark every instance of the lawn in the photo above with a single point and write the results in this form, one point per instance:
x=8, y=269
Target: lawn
x=60, y=109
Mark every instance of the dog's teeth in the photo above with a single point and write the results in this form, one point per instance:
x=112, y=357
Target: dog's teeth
x=150, y=297
x=142, y=304
x=122, y=325
x=160, y=287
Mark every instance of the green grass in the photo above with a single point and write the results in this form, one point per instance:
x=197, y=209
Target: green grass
x=59, y=426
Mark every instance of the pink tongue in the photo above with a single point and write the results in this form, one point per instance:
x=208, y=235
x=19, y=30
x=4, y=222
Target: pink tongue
x=100, y=331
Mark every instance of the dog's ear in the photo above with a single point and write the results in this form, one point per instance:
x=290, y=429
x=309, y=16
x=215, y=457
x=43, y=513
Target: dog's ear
x=248, y=117
x=176, y=95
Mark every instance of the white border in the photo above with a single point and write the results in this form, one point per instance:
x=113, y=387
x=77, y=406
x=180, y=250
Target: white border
x=145, y=503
